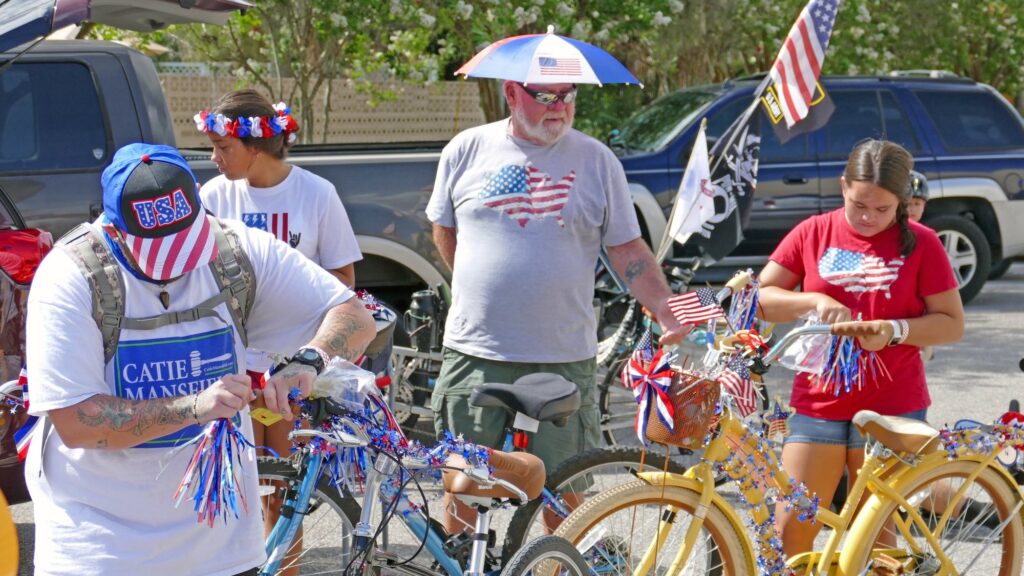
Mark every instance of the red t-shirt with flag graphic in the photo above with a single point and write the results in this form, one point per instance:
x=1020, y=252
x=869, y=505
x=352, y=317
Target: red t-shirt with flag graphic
x=870, y=277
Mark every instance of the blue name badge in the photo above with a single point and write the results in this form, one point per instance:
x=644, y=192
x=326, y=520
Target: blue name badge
x=174, y=366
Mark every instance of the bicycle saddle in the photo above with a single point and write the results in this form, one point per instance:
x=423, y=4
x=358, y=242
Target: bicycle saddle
x=898, y=434
x=542, y=396
x=522, y=469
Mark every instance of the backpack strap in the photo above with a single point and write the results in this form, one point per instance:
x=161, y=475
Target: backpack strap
x=234, y=274
x=232, y=271
x=94, y=259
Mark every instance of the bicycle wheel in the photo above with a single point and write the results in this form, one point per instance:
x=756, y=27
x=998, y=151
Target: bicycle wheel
x=547, y=556
x=980, y=534
x=327, y=524
x=576, y=480
x=616, y=532
x=618, y=408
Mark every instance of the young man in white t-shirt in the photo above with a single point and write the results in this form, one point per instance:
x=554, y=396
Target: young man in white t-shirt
x=103, y=476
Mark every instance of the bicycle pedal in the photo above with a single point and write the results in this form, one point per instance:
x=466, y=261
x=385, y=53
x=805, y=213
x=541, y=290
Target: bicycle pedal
x=883, y=565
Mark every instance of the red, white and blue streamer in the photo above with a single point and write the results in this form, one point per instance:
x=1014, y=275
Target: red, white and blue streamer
x=213, y=477
x=649, y=375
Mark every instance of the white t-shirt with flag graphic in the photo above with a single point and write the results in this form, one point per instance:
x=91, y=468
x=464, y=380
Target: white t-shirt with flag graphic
x=111, y=512
x=304, y=210
x=530, y=221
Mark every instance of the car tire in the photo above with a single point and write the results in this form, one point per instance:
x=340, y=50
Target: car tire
x=999, y=268
x=968, y=251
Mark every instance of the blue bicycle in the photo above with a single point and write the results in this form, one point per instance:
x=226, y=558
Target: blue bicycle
x=323, y=530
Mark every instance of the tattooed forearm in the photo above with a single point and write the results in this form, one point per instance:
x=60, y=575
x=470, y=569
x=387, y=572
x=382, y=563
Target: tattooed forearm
x=135, y=417
x=634, y=270
x=345, y=331
x=339, y=337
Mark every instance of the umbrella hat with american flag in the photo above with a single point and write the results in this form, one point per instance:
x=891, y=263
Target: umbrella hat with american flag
x=547, y=59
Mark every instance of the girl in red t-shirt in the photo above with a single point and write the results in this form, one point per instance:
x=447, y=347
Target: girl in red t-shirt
x=863, y=260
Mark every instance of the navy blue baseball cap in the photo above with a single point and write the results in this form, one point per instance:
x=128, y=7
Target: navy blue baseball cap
x=151, y=197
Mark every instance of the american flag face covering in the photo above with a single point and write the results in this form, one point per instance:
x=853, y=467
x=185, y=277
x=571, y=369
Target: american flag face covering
x=171, y=256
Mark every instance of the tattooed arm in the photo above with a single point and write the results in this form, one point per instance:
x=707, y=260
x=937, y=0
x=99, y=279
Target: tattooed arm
x=346, y=331
x=109, y=422
x=635, y=264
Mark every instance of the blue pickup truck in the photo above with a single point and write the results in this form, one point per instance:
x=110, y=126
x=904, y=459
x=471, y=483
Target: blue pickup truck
x=965, y=137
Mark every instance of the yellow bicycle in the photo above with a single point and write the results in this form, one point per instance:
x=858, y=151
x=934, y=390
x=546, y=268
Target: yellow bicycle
x=929, y=507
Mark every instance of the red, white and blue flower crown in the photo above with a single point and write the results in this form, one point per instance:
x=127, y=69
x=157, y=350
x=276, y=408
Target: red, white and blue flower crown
x=251, y=126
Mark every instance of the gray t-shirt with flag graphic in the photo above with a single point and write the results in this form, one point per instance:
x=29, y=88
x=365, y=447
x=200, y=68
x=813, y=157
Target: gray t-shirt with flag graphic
x=530, y=222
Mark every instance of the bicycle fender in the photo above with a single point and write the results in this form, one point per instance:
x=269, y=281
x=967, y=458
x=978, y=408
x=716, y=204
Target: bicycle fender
x=693, y=485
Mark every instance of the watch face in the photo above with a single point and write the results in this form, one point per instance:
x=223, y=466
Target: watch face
x=309, y=355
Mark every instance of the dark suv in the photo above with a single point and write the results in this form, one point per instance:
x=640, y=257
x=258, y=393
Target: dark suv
x=965, y=137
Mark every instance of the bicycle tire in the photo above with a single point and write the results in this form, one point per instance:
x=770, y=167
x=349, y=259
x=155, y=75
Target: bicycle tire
x=613, y=463
x=326, y=532
x=962, y=537
x=616, y=528
x=547, y=556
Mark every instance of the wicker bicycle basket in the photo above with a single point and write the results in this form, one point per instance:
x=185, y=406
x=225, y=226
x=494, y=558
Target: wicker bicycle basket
x=695, y=400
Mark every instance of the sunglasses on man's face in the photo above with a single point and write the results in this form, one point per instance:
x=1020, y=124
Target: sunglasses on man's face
x=550, y=98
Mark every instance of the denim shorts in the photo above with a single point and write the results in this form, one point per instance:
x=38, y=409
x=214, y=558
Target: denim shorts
x=807, y=430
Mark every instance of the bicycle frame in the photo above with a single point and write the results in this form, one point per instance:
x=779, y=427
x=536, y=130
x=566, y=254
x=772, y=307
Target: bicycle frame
x=415, y=519
x=883, y=478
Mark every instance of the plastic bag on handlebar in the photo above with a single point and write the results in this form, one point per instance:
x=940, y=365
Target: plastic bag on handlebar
x=809, y=353
x=346, y=384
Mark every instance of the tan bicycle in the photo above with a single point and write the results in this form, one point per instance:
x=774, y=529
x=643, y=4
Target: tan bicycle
x=929, y=507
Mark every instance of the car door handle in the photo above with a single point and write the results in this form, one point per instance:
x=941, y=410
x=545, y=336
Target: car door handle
x=794, y=179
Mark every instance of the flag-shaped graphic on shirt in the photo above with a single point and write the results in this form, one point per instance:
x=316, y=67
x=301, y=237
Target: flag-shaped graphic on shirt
x=858, y=272
x=525, y=193
x=550, y=66
x=276, y=223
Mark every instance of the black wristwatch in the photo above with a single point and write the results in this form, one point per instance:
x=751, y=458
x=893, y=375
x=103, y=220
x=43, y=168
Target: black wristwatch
x=311, y=356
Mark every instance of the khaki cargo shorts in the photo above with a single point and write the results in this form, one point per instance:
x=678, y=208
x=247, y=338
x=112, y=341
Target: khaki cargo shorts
x=461, y=373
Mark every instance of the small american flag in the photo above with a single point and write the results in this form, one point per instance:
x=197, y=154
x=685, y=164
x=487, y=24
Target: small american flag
x=642, y=352
x=798, y=65
x=735, y=381
x=777, y=427
x=696, y=307
x=550, y=66
x=23, y=435
x=525, y=193
x=858, y=272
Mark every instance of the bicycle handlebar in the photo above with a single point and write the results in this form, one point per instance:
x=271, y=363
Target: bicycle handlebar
x=9, y=387
x=780, y=347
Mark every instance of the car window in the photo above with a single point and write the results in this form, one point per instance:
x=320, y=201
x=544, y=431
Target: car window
x=972, y=120
x=896, y=124
x=772, y=150
x=51, y=117
x=657, y=124
x=856, y=118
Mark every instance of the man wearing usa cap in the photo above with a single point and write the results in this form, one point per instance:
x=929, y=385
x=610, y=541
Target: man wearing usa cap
x=103, y=478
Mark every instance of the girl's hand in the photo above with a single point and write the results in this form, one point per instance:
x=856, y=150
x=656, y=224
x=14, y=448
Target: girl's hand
x=872, y=335
x=830, y=311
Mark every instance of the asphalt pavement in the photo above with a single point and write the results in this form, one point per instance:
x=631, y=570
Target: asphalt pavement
x=974, y=378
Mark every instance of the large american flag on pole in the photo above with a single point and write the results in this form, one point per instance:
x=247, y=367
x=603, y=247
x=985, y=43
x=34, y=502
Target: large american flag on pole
x=695, y=307
x=799, y=62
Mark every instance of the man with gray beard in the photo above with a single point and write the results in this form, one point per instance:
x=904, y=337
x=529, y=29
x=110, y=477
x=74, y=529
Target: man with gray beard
x=521, y=208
